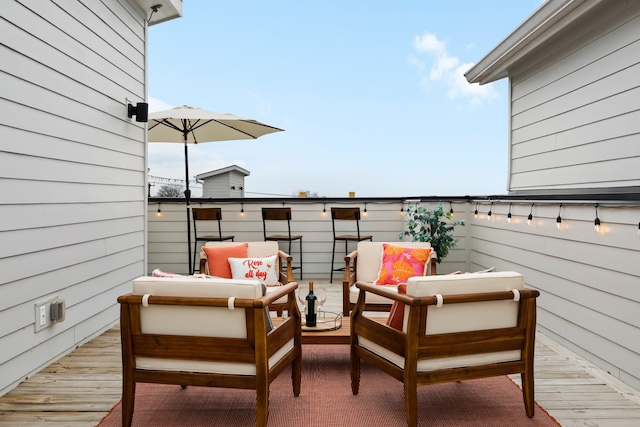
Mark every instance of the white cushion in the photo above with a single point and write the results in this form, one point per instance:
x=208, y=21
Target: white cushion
x=461, y=317
x=198, y=321
x=371, y=297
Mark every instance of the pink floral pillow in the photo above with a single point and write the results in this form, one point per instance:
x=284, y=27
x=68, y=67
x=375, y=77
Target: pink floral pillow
x=264, y=269
x=399, y=263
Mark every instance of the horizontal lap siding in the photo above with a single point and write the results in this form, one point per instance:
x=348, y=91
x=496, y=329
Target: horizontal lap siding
x=72, y=181
x=576, y=114
x=168, y=233
x=589, y=282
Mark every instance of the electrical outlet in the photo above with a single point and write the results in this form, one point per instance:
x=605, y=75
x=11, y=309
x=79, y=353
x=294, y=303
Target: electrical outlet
x=43, y=313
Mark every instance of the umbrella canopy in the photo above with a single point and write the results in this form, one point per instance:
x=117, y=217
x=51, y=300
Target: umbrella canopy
x=191, y=125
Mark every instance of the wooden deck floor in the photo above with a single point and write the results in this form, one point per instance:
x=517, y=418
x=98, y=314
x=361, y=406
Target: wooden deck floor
x=83, y=386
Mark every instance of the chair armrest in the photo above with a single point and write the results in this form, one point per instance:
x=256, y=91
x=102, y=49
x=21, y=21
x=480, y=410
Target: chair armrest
x=349, y=278
x=288, y=289
x=285, y=276
x=383, y=291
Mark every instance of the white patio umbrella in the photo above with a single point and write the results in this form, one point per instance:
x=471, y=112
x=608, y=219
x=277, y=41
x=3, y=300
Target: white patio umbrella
x=191, y=125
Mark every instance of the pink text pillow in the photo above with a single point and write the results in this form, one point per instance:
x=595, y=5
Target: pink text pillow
x=398, y=264
x=217, y=258
x=264, y=269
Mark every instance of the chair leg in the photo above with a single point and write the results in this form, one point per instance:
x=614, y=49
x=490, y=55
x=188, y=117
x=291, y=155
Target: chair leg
x=333, y=256
x=300, y=258
x=193, y=263
x=262, y=404
x=528, y=392
x=411, y=401
x=296, y=375
x=355, y=373
x=128, y=400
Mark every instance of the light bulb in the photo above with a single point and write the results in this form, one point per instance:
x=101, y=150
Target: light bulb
x=509, y=217
x=475, y=214
x=529, y=219
x=558, y=222
x=596, y=225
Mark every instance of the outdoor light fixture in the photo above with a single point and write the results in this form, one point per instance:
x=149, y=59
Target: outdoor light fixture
x=638, y=232
x=509, y=214
x=154, y=9
x=241, y=209
x=159, y=211
x=475, y=213
x=530, y=217
x=489, y=213
x=141, y=111
x=559, y=218
x=596, y=222
x=233, y=187
x=365, y=209
x=324, y=209
x=451, y=209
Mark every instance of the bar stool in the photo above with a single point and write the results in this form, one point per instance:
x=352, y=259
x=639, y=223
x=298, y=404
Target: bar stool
x=281, y=214
x=345, y=214
x=206, y=214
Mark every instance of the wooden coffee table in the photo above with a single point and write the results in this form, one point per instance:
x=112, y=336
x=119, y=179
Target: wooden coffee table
x=337, y=336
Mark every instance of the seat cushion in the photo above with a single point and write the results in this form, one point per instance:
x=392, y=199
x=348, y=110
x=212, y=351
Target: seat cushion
x=371, y=298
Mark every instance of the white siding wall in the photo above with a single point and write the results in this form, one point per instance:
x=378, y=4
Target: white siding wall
x=589, y=282
x=168, y=234
x=72, y=174
x=575, y=107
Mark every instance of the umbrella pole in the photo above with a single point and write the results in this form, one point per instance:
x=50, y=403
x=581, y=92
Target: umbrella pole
x=187, y=196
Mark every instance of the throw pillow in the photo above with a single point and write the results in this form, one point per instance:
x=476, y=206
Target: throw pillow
x=399, y=263
x=217, y=257
x=264, y=269
x=396, y=314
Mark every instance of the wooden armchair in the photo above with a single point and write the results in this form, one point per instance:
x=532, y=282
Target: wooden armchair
x=363, y=265
x=456, y=328
x=207, y=332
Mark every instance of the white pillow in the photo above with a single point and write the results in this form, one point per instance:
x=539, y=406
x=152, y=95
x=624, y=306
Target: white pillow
x=263, y=269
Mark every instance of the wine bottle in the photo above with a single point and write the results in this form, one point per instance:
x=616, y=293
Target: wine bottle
x=310, y=307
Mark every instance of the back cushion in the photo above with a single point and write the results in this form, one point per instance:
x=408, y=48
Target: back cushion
x=195, y=321
x=369, y=256
x=217, y=258
x=469, y=316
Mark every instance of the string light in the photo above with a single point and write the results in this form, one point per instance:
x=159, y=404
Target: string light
x=596, y=222
x=365, y=209
x=475, y=213
x=489, y=213
x=451, y=209
x=559, y=218
x=324, y=209
x=530, y=217
x=402, y=208
x=159, y=211
x=241, y=209
x=638, y=232
x=509, y=214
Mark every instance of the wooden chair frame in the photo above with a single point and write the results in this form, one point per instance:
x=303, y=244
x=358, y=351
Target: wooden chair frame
x=414, y=345
x=206, y=214
x=345, y=214
x=257, y=348
x=281, y=214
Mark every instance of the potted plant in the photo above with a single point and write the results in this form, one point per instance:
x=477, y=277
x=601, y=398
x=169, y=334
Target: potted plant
x=428, y=225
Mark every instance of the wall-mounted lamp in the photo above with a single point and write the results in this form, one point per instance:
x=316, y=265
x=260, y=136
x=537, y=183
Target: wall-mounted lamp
x=559, y=218
x=154, y=9
x=596, y=222
x=141, y=111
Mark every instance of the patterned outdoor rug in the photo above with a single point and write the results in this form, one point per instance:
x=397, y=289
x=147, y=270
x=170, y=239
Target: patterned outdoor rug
x=326, y=400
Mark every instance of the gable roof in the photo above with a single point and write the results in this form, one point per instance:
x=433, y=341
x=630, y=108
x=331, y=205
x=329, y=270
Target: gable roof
x=228, y=169
x=542, y=26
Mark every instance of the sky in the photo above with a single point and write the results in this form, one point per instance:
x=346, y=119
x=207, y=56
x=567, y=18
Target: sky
x=371, y=94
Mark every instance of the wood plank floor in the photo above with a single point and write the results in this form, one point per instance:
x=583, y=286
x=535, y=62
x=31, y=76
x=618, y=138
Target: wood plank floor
x=83, y=386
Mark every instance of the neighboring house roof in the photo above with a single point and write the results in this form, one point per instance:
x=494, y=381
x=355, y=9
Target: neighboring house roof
x=541, y=27
x=223, y=170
